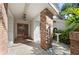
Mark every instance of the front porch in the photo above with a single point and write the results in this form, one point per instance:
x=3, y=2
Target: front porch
x=24, y=24
x=31, y=32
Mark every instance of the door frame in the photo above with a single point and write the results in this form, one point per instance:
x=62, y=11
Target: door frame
x=22, y=24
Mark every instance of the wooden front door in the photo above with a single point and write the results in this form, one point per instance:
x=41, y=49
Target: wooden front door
x=22, y=30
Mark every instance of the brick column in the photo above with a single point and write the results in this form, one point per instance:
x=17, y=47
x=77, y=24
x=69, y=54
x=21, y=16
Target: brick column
x=43, y=31
x=74, y=43
x=3, y=30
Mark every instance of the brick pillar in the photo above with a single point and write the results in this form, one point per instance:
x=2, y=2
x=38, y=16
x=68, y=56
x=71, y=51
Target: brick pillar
x=3, y=30
x=43, y=30
x=45, y=42
x=74, y=43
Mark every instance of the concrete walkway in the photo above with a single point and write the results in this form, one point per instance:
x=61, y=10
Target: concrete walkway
x=59, y=49
x=29, y=48
x=20, y=49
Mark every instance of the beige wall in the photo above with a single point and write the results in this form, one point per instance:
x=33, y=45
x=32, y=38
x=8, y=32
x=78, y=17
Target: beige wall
x=59, y=24
x=32, y=29
x=3, y=31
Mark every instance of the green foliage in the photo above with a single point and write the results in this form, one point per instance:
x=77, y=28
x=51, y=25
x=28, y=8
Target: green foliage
x=55, y=30
x=64, y=37
x=71, y=10
x=72, y=22
x=65, y=6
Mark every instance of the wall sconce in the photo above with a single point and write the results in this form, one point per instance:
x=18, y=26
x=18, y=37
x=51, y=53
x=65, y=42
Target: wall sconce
x=24, y=17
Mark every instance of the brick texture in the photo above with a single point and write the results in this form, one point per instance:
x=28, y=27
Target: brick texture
x=3, y=30
x=74, y=43
x=43, y=33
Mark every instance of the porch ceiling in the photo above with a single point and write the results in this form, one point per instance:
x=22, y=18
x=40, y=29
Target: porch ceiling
x=30, y=9
x=16, y=9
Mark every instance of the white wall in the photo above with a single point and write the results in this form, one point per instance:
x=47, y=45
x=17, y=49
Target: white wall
x=50, y=22
x=32, y=28
x=59, y=24
x=37, y=31
x=17, y=9
x=10, y=28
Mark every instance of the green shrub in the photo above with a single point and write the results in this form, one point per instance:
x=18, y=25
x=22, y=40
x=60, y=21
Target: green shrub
x=64, y=37
x=55, y=30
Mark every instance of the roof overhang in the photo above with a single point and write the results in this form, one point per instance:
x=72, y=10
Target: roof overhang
x=53, y=6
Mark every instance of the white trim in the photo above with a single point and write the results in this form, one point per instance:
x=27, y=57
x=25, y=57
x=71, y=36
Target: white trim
x=51, y=4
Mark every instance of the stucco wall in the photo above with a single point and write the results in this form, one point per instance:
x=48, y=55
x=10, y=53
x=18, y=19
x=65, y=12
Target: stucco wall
x=36, y=32
x=32, y=29
x=59, y=24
